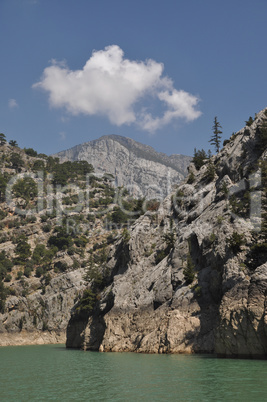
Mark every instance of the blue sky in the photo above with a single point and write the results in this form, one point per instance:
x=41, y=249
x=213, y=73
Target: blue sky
x=156, y=71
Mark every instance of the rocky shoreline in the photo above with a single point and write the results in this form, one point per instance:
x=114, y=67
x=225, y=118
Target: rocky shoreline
x=32, y=338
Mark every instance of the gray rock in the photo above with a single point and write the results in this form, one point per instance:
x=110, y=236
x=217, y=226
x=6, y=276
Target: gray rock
x=138, y=167
x=153, y=308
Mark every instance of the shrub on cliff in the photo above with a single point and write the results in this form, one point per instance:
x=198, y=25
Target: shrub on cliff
x=199, y=158
x=235, y=242
x=189, y=271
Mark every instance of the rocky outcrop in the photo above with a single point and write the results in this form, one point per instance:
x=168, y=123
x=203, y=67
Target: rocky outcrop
x=138, y=167
x=192, y=277
x=41, y=317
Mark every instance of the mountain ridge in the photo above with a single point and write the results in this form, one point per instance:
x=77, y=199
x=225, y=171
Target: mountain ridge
x=132, y=163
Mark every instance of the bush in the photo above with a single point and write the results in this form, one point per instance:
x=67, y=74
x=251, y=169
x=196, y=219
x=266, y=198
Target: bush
x=225, y=142
x=8, y=278
x=160, y=255
x=61, y=266
x=81, y=241
x=19, y=275
x=39, y=272
x=262, y=136
x=169, y=238
x=3, y=296
x=118, y=216
x=47, y=228
x=210, y=173
x=191, y=178
x=189, y=271
x=41, y=255
x=38, y=165
x=235, y=242
x=62, y=240
x=23, y=249
x=249, y=121
x=16, y=161
x=25, y=188
x=199, y=158
x=71, y=251
x=27, y=271
x=3, y=214
x=87, y=301
x=30, y=152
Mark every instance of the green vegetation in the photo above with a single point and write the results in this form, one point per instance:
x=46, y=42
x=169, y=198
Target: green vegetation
x=3, y=184
x=30, y=152
x=62, y=239
x=216, y=137
x=16, y=162
x=249, y=121
x=199, y=158
x=13, y=143
x=3, y=296
x=25, y=188
x=169, y=238
x=189, y=270
x=23, y=249
x=160, y=255
x=235, y=242
x=2, y=139
x=68, y=171
x=191, y=178
x=261, y=133
x=210, y=173
x=118, y=216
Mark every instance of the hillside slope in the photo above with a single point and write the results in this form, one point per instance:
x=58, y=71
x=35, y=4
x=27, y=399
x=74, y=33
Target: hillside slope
x=57, y=220
x=192, y=276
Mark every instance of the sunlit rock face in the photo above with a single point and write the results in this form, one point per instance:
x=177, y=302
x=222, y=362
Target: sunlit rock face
x=138, y=167
x=192, y=276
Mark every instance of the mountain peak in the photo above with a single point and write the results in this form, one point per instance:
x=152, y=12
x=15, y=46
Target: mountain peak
x=138, y=167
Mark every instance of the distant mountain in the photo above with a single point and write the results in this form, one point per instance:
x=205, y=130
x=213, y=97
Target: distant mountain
x=144, y=171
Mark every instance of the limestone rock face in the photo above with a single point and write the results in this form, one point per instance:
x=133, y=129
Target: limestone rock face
x=41, y=318
x=138, y=167
x=209, y=228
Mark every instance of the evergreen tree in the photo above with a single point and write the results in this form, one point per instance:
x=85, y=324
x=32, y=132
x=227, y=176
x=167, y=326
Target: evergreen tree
x=2, y=139
x=216, y=137
x=13, y=143
x=199, y=158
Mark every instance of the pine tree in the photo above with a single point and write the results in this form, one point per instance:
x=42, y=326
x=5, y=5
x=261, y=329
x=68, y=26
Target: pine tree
x=2, y=139
x=216, y=137
x=13, y=143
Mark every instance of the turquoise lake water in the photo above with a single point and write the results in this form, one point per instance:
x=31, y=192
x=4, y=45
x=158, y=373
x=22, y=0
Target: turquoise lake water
x=53, y=373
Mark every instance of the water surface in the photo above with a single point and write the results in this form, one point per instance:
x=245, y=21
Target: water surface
x=53, y=373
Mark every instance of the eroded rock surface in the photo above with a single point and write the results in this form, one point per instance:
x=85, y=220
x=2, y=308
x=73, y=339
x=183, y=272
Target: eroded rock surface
x=138, y=167
x=212, y=228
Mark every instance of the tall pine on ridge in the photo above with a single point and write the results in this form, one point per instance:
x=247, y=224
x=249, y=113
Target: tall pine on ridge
x=216, y=137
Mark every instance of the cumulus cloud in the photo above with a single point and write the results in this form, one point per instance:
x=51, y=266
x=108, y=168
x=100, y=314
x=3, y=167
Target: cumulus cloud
x=113, y=86
x=12, y=103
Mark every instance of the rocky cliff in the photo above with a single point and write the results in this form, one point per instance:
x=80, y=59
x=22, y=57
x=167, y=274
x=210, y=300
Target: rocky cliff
x=138, y=167
x=192, y=276
x=50, y=236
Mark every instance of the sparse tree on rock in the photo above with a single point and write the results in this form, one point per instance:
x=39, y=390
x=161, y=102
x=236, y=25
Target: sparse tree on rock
x=2, y=139
x=13, y=143
x=216, y=137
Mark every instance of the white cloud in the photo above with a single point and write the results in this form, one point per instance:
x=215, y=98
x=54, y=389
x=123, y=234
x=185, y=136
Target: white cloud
x=62, y=135
x=112, y=86
x=12, y=103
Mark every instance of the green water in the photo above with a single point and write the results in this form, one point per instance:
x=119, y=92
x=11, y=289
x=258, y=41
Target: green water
x=52, y=373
